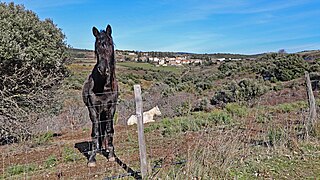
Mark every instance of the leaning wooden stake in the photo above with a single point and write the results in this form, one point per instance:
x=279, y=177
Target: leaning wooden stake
x=142, y=144
x=312, y=104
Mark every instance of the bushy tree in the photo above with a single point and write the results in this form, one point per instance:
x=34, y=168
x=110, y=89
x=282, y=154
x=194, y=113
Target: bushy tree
x=283, y=67
x=244, y=90
x=32, y=56
x=315, y=67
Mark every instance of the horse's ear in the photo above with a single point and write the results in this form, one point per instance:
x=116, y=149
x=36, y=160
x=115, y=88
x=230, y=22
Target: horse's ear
x=108, y=30
x=95, y=31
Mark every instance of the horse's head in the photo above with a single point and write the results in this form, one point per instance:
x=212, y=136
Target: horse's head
x=104, y=50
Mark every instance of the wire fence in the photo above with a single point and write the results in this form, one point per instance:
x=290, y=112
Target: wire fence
x=59, y=151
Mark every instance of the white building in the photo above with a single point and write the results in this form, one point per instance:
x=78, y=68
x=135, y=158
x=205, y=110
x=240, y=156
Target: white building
x=161, y=61
x=221, y=59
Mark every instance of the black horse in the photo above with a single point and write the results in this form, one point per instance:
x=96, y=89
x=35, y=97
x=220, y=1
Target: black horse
x=100, y=94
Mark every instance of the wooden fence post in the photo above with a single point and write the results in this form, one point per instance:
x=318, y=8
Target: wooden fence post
x=312, y=104
x=142, y=144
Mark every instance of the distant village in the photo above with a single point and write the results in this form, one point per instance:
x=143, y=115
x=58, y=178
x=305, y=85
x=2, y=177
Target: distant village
x=166, y=58
x=178, y=58
x=174, y=59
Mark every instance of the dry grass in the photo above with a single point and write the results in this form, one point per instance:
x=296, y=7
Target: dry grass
x=262, y=143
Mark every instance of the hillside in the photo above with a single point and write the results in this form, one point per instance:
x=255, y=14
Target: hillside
x=310, y=55
x=234, y=119
x=81, y=53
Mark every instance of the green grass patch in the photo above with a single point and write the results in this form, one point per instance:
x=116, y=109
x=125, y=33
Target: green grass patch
x=263, y=118
x=266, y=113
x=290, y=107
x=44, y=138
x=19, y=169
x=276, y=135
x=194, y=122
x=69, y=155
x=237, y=110
x=51, y=161
x=85, y=129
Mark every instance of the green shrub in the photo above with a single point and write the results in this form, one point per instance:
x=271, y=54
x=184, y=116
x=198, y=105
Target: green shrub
x=130, y=78
x=315, y=68
x=230, y=68
x=203, y=105
x=282, y=67
x=278, y=86
x=244, y=90
x=204, y=85
x=148, y=77
x=168, y=91
x=32, y=58
x=183, y=109
x=172, y=81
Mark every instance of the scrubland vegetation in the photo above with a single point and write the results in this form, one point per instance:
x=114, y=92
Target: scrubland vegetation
x=235, y=119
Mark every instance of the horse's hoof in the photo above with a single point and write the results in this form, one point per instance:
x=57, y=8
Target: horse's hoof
x=91, y=164
x=112, y=159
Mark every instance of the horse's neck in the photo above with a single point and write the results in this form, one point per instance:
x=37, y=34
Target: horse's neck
x=97, y=77
x=100, y=82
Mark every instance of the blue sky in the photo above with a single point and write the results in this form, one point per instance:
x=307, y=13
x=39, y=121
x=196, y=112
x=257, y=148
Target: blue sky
x=206, y=26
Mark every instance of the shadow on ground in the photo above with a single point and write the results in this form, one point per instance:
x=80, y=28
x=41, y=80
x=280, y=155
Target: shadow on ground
x=85, y=147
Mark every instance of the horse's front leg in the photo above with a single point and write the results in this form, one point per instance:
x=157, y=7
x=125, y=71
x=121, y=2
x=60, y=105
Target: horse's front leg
x=94, y=116
x=110, y=132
